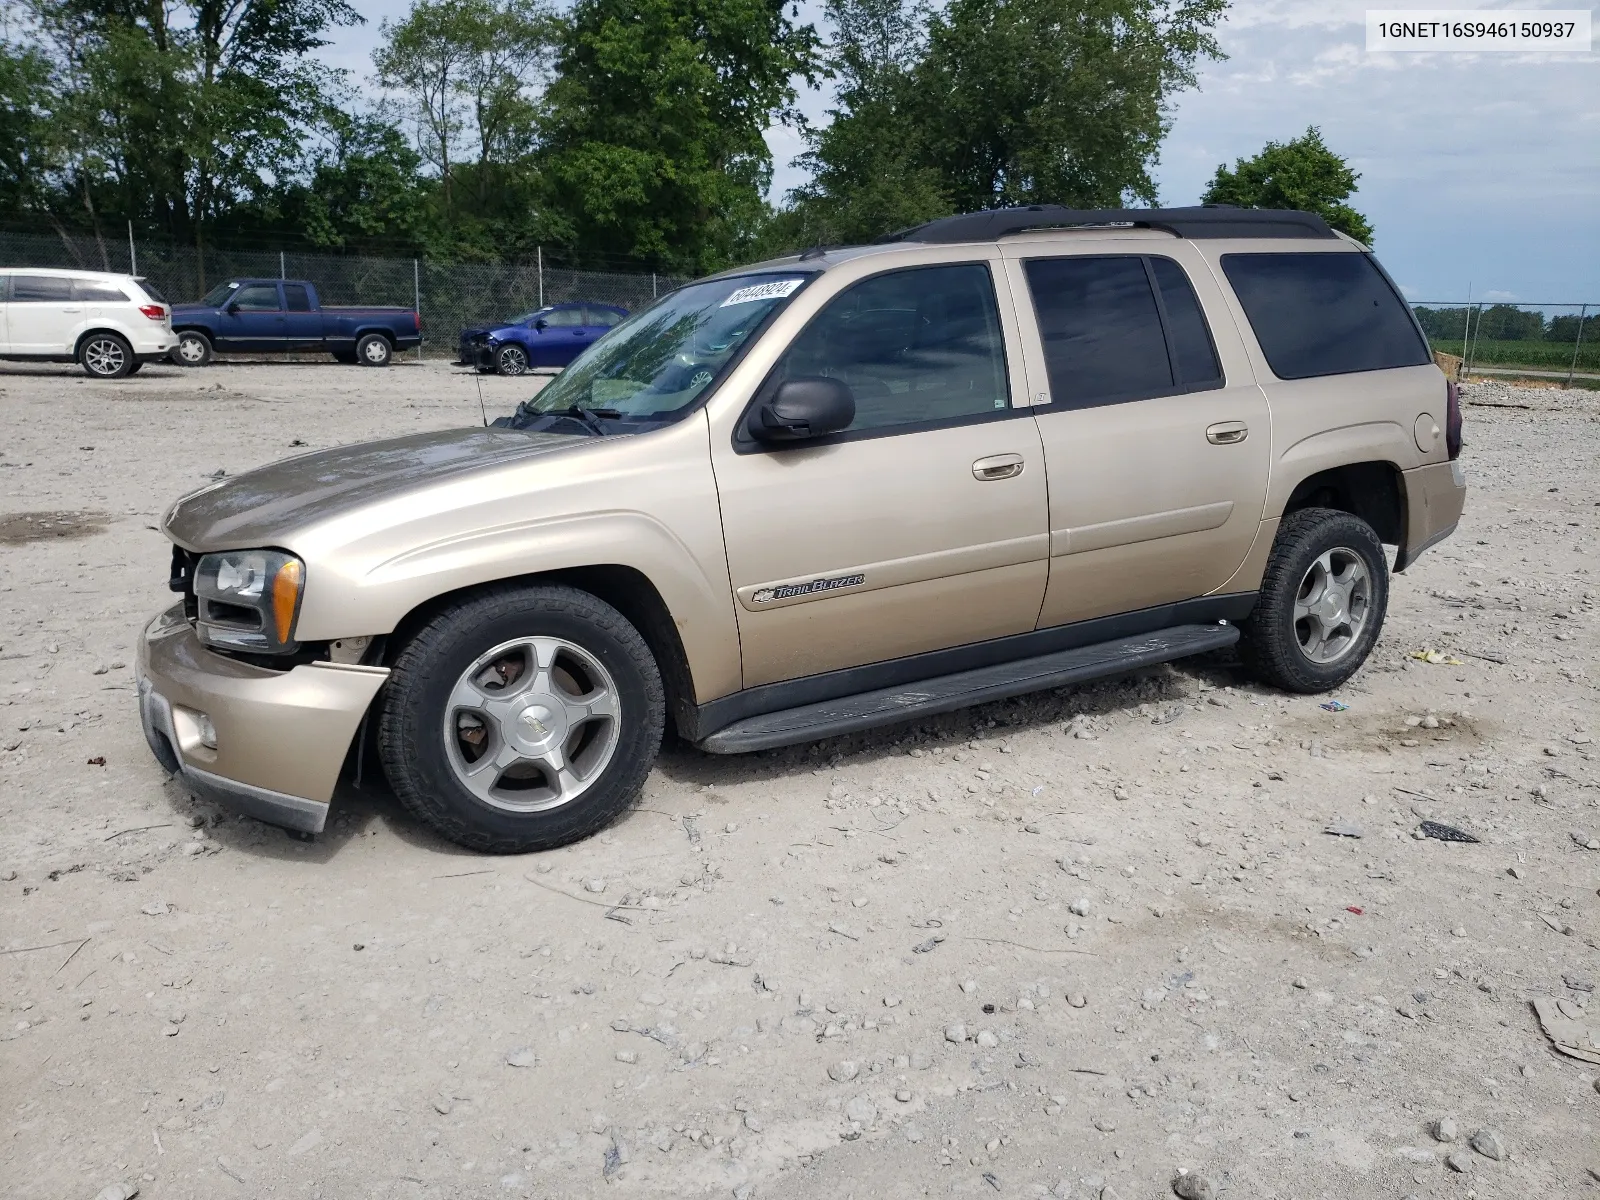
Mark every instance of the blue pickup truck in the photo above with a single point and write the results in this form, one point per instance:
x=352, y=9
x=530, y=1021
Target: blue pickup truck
x=256, y=316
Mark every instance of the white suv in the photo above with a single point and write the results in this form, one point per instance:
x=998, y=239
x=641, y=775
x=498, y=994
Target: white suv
x=111, y=324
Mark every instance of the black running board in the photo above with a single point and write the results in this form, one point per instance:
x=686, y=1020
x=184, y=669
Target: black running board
x=966, y=688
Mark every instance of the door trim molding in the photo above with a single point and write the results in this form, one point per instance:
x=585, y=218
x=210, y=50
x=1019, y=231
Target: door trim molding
x=1146, y=527
x=717, y=714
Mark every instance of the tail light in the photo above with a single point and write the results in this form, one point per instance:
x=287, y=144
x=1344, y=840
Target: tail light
x=154, y=311
x=1452, y=418
x=417, y=320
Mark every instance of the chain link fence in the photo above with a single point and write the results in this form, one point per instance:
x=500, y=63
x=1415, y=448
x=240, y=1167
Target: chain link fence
x=1549, y=341
x=449, y=296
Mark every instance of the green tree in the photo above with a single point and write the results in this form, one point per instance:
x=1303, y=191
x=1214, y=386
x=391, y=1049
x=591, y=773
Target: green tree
x=28, y=153
x=1056, y=101
x=654, y=144
x=1302, y=174
x=175, y=115
x=469, y=72
x=869, y=175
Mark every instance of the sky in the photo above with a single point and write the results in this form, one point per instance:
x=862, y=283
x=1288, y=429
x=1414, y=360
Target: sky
x=1479, y=172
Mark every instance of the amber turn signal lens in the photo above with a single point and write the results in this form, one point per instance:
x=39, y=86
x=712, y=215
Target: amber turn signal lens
x=285, y=598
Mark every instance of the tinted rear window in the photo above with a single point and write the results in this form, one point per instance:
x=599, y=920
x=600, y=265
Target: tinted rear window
x=1101, y=330
x=103, y=293
x=1192, y=351
x=1324, y=314
x=151, y=290
x=296, y=297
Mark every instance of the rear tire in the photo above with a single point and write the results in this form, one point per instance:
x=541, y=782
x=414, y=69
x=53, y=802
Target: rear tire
x=374, y=350
x=193, y=349
x=1322, y=602
x=106, y=356
x=498, y=691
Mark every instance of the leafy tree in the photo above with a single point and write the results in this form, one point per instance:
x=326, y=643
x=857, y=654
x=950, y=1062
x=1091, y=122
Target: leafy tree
x=175, y=115
x=1056, y=101
x=1302, y=174
x=1507, y=322
x=868, y=176
x=28, y=155
x=468, y=71
x=654, y=144
x=1565, y=329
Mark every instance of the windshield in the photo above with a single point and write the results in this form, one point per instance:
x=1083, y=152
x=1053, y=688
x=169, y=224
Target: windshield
x=657, y=362
x=218, y=294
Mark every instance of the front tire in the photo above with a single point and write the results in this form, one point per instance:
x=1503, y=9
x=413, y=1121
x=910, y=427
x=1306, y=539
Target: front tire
x=521, y=719
x=511, y=359
x=374, y=350
x=106, y=356
x=1322, y=602
x=193, y=349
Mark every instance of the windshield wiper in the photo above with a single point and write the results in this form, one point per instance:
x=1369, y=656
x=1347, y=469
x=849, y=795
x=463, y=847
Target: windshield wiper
x=589, y=417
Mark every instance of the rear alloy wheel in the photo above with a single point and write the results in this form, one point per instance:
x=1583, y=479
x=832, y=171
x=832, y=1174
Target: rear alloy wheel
x=194, y=349
x=1322, y=602
x=106, y=356
x=521, y=719
x=374, y=350
x=511, y=359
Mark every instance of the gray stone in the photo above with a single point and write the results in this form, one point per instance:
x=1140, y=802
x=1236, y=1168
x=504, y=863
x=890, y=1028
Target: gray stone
x=1082, y=906
x=117, y=1191
x=861, y=1110
x=1444, y=1129
x=955, y=1033
x=521, y=1057
x=1077, y=999
x=1459, y=1161
x=1490, y=1144
x=1191, y=1186
x=843, y=1072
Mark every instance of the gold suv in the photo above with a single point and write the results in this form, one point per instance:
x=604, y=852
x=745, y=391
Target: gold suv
x=997, y=453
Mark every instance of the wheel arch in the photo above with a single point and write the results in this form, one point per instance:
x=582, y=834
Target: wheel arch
x=1373, y=490
x=627, y=589
x=77, y=346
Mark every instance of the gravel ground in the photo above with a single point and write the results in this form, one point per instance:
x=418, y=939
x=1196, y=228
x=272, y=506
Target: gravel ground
x=1069, y=944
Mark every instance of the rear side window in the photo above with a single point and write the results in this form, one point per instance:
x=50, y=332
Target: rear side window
x=915, y=347
x=296, y=298
x=603, y=317
x=1102, y=334
x=151, y=290
x=1324, y=314
x=41, y=289
x=1193, y=356
x=563, y=317
x=98, y=293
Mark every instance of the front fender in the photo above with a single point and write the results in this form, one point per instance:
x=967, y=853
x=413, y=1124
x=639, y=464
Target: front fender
x=647, y=502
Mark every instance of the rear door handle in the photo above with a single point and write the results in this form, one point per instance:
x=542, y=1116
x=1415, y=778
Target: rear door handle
x=997, y=466
x=1227, y=433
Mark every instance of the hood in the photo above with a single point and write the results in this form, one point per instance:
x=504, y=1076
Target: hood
x=192, y=308
x=266, y=506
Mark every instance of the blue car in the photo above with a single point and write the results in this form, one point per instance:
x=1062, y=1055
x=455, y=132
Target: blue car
x=547, y=337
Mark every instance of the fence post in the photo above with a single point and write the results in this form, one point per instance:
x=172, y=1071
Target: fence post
x=652, y=285
x=1582, y=313
x=540, y=251
x=133, y=262
x=1477, y=329
x=1466, y=329
x=282, y=273
x=416, y=290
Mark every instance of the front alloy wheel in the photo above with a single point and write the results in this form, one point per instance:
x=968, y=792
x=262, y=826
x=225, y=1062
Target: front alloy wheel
x=511, y=359
x=521, y=718
x=532, y=724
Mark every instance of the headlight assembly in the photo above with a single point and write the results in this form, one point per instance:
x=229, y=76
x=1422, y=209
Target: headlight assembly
x=248, y=600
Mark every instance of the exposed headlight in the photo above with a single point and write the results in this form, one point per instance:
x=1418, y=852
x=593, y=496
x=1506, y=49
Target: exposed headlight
x=248, y=599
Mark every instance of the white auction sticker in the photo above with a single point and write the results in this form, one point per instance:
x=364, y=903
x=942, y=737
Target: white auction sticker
x=1475, y=30
x=776, y=290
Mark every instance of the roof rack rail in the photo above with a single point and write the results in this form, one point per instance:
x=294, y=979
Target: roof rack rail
x=1208, y=221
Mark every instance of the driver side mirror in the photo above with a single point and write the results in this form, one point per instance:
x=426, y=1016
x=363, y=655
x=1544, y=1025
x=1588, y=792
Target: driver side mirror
x=540, y=324
x=804, y=408
x=232, y=306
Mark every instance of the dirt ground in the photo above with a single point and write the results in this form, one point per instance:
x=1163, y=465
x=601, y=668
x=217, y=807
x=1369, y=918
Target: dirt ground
x=1063, y=945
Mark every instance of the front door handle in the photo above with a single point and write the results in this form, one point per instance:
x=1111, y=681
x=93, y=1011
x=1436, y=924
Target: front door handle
x=1227, y=433
x=997, y=466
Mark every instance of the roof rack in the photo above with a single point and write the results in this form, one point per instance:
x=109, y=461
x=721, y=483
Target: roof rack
x=1208, y=221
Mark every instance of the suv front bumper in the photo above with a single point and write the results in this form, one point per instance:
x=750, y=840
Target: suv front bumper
x=281, y=736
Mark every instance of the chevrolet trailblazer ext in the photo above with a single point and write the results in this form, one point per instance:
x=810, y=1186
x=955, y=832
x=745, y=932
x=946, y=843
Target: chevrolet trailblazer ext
x=1000, y=453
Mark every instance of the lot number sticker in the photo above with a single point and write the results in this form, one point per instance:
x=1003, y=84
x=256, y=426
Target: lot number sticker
x=776, y=290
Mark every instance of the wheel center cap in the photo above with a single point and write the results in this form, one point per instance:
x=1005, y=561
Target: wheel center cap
x=540, y=724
